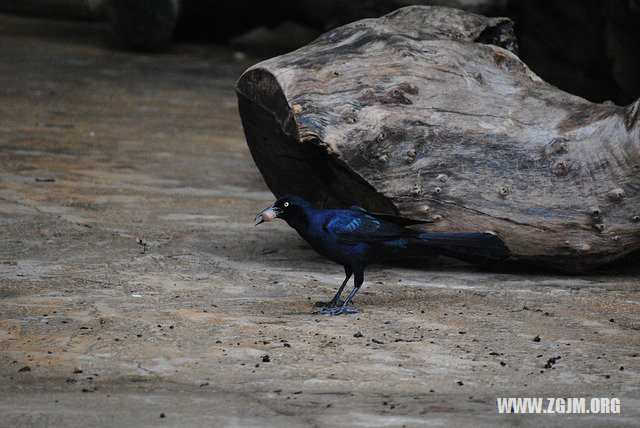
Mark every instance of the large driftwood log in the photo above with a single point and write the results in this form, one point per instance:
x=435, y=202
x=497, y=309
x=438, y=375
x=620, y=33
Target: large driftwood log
x=427, y=113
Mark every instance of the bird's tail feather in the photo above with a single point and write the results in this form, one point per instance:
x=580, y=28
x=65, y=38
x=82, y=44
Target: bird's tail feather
x=485, y=245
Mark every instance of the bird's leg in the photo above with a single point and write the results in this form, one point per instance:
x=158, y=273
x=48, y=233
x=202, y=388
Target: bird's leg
x=335, y=302
x=359, y=279
x=343, y=308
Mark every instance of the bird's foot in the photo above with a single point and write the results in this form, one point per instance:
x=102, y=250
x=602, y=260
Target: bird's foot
x=339, y=310
x=330, y=304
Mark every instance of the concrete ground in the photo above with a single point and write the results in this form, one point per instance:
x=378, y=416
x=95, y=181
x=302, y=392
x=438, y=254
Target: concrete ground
x=135, y=291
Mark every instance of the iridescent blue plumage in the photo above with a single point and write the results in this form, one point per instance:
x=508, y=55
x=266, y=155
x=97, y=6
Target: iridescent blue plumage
x=355, y=238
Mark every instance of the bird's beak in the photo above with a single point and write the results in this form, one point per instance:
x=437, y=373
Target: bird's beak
x=268, y=214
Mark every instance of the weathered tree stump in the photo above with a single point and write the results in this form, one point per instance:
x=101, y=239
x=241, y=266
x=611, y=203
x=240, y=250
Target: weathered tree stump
x=426, y=113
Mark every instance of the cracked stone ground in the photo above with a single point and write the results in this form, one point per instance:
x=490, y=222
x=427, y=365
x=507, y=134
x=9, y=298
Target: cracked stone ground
x=134, y=289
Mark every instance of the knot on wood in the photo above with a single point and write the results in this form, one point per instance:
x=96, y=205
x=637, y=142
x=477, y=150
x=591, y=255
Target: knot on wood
x=503, y=191
x=442, y=177
x=367, y=97
x=599, y=227
x=635, y=218
x=350, y=115
x=504, y=60
x=437, y=191
x=562, y=167
x=616, y=195
x=409, y=88
x=595, y=212
x=392, y=96
x=558, y=146
x=583, y=249
x=411, y=155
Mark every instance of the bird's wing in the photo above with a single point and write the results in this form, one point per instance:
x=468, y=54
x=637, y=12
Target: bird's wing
x=358, y=226
x=355, y=227
x=400, y=221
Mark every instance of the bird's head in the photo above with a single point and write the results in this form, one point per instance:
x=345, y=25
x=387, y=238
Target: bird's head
x=292, y=209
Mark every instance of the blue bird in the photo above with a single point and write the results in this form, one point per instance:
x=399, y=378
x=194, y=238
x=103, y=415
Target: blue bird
x=355, y=238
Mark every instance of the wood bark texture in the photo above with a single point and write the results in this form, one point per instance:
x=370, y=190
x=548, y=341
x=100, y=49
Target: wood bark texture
x=427, y=113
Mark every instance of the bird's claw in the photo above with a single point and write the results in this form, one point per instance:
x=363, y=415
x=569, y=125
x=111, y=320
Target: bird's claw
x=338, y=311
x=329, y=304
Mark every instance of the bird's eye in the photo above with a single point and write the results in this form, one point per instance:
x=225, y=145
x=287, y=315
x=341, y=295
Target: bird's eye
x=286, y=204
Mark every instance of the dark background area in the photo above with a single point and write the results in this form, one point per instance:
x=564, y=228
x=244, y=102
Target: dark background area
x=586, y=47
